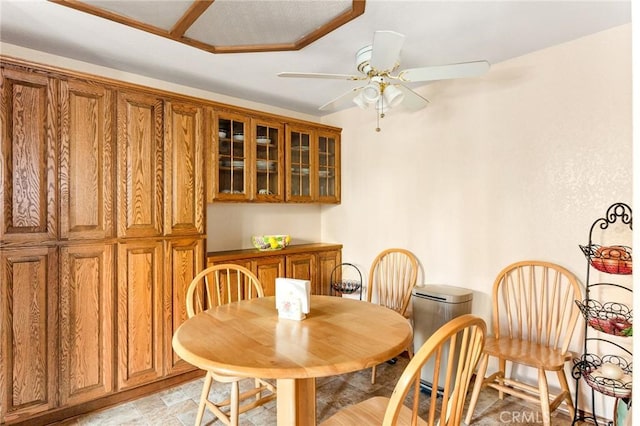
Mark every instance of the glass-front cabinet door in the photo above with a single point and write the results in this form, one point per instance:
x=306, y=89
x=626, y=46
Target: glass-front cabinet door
x=269, y=161
x=231, y=156
x=328, y=167
x=300, y=164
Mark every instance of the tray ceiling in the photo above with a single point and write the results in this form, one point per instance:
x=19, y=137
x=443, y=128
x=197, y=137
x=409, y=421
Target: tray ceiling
x=228, y=26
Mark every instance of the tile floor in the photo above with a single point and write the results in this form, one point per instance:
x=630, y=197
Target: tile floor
x=177, y=406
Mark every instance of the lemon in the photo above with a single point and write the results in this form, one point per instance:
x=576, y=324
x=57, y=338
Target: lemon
x=273, y=243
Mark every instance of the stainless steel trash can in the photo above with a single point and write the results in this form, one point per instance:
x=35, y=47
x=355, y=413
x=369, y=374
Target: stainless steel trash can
x=433, y=306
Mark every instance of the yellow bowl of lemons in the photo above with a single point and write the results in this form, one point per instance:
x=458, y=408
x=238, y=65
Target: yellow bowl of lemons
x=270, y=242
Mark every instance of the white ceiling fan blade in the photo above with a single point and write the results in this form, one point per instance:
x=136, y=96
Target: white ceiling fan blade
x=385, y=54
x=345, y=97
x=443, y=72
x=412, y=100
x=320, y=75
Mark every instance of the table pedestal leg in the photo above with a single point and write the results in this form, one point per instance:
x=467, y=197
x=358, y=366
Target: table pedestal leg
x=296, y=402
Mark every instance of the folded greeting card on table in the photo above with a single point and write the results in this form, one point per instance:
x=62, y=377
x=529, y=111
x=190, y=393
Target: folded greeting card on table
x=292, y=298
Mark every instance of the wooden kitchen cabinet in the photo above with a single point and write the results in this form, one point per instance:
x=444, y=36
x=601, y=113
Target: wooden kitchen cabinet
x=103, y=227
x=230, y=157
x=86, y=161
x=268, y=160
x=139, y=321
x=28, y=156
x=87, y=318
x=28, y=332
x=302, y=261
x=300, y=164
x=312, y=164
x=329, y=168
x=184, y=259
x=183, y=168
x=140, y=165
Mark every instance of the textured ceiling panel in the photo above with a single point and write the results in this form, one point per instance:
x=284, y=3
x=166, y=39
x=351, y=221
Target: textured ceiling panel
x=229, y=26
x=238, y=23
x=161, y=14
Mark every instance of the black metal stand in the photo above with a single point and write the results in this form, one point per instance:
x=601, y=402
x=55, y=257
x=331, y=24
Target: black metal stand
x=610, y=318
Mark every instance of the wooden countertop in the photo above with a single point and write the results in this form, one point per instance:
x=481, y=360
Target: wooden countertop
x=292, y=249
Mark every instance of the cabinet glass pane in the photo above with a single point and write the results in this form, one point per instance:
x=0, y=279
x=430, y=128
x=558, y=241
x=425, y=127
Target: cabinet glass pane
x=232, y=156
x=326, y=166
x=300, y=164
x=267, y=166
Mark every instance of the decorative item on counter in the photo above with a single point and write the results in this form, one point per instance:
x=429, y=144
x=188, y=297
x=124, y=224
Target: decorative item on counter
x=270, y=242
x=293, y=298
x=611, y=259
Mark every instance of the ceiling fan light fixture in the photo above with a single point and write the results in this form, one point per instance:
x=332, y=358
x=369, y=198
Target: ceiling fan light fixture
x=360, y=102
x=392, y=96
x=371, y=92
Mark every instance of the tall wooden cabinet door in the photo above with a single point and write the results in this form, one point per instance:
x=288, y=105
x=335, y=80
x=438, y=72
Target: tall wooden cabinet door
x=184, y=260
x=86, y=161
x=328, y=162
x=86, y=322
x=139, y=168
x=300, y=165
x=184, y=181
x=268, y=156
x=267, y=269
x=139, y=313
x=230, y=157
x=28, y=159
x=302, y=267
x=28, y=332
x=327, y=262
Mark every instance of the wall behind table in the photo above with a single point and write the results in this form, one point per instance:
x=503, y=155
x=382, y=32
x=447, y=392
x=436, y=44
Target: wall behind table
x=514, y=165
x=230, y=226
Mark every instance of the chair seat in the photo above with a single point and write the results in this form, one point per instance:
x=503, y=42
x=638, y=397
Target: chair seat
x=369, y=412
x=528, y=353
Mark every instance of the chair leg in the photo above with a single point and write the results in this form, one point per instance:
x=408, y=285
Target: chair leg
x=234, y=403
x=543, y=389
x=480, y=374
x=502, y=366
x=203, y=398
x=562, y=378
x=373, y=375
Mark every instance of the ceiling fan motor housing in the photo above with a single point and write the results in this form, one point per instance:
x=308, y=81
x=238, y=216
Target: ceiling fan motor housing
x=363, y=56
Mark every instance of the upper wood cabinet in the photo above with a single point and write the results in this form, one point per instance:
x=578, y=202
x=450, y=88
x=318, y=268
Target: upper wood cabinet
x=252, y=158
x=183, y=168
x=328, y=160
x=312, y=165
x=230, y=157
x=29, y=156
x=268, y=160
x=301, y=165
x=86, y=161
x=140, y=165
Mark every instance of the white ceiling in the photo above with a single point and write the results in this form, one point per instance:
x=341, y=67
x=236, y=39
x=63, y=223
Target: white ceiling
x=437, y=33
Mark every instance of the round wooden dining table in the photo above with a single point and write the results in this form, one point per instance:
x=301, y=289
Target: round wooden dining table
x=248, y=339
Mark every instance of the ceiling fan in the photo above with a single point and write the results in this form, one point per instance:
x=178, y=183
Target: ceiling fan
x=378, y=64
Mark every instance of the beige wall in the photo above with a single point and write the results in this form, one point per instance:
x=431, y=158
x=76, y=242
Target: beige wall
x=514, y=165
